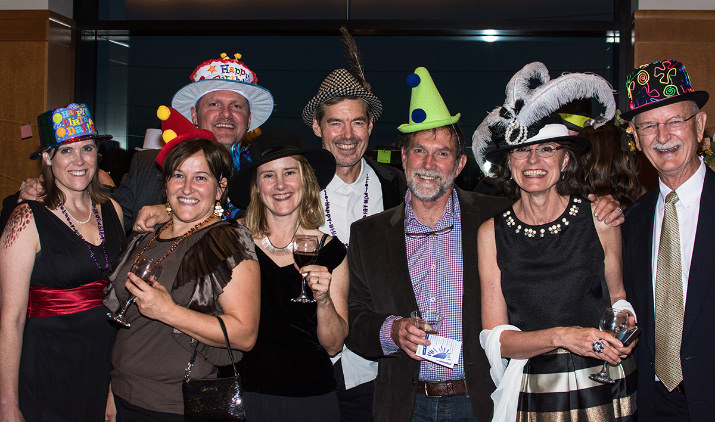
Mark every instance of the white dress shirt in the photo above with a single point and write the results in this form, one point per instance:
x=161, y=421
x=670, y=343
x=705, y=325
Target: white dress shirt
x=688, y=209
x=346, y=206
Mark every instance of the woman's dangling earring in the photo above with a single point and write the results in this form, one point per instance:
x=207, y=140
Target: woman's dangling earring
x=218, y=209
x=563, y=175
x=168, y=208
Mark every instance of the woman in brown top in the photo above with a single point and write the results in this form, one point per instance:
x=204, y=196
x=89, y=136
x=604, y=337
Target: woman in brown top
x=209, y=268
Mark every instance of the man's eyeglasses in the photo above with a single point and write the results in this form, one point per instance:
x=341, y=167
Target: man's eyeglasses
x=443, y=230
x=430, y=233
x=542, y=151
x=649, y=128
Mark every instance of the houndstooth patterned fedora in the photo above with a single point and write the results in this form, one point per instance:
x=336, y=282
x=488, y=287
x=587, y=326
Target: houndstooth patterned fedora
x=341, y=83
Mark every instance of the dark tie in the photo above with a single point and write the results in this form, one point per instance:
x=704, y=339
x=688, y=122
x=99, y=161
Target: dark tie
x=669, y=307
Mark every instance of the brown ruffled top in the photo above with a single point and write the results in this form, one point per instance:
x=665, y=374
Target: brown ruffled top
x=150, y=357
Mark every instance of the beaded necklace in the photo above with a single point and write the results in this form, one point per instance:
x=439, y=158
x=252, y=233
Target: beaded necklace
x=176, y=243
x=555, y=228
x=366, y=198
x=100, y=228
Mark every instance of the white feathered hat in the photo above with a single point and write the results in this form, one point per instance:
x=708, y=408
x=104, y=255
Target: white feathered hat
x=528, y=115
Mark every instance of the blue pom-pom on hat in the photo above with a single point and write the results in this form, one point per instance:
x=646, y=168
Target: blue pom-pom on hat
x=418, y=115
x=413, y=80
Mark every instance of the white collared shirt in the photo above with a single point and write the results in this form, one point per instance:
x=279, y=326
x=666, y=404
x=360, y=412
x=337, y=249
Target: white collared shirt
x=346, y=206
x=347, y=199
x=688, y=209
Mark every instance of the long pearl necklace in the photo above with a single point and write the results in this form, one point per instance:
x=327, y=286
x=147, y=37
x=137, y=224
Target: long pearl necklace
x=331, y=226
x=100, y=228
x=285, y=250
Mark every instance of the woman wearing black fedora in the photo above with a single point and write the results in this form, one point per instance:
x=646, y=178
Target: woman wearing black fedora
x=288, y=374
x=548, y=268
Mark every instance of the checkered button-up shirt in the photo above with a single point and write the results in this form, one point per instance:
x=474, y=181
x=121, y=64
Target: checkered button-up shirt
x=436, y=271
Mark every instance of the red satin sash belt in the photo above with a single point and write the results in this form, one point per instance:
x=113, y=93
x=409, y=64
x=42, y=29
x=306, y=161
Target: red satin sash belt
x=48, y=301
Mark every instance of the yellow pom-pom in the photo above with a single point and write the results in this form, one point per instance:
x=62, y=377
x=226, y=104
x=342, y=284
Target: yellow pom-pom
x=163, y=112
x=237, y=56
x=224, y=55
x=168, y=135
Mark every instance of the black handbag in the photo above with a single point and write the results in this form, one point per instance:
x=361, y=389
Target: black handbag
x=213, y=399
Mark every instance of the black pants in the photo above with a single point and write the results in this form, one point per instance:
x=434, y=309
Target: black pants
x=670, y=406
x=355, y=403
x=127, y=412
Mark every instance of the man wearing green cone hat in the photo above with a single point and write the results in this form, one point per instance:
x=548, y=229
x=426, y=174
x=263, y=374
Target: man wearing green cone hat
x=421, y=255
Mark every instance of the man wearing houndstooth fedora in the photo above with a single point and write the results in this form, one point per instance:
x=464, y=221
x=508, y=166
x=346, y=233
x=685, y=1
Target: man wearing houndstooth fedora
x=342, y=114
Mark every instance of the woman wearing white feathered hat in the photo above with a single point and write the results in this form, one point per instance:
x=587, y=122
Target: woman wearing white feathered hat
x=548, y=268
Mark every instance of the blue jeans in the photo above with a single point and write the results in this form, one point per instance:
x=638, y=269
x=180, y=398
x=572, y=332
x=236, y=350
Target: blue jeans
x=443, y=409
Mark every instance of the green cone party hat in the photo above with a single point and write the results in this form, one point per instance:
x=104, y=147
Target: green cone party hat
x=427, y=108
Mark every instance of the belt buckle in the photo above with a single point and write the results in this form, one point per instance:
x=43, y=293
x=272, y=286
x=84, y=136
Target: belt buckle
x=427, y=394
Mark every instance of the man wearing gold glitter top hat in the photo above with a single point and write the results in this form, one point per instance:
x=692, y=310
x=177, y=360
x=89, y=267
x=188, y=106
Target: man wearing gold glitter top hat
x=668, y=244
x=223, y=97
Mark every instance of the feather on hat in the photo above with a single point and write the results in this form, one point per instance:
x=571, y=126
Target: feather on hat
x=528, y=113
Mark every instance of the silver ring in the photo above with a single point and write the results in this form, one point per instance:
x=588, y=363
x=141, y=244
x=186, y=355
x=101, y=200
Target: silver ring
x=598, y=346
x=619, y=209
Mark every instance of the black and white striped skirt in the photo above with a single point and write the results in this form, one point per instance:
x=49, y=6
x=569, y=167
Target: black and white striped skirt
x=555, y=387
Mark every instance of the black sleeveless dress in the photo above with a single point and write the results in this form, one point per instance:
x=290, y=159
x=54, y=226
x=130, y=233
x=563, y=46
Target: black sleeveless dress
x=554, y=275
x=65, y=361
x=288, y=360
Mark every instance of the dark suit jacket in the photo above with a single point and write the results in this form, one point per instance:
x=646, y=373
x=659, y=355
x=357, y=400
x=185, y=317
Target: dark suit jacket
x=392, y=181
x=380, y=286
x=697, y=351
x=140, y=187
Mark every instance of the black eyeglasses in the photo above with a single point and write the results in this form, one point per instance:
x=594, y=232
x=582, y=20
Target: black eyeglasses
x=649, y=128
x=443, y=230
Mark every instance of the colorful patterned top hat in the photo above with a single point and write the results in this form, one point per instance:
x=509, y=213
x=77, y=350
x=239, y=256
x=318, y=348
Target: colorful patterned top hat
x=225, y=74
x=177, y=129
x=65, y=125
x=528, y=115
x=427, y=108
x=657, y=84
x=272, y=145
x=341, y=83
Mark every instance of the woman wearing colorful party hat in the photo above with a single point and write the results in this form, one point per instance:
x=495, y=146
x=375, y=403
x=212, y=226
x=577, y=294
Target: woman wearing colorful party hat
x=55, y=340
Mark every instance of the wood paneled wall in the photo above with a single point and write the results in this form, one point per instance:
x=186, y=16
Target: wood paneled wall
x=37, y=70
x=684, y=35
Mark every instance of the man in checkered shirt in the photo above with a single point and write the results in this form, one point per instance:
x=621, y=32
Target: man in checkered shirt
x=421, y=255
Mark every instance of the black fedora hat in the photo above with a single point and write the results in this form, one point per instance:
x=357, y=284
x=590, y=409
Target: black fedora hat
x=272, y=145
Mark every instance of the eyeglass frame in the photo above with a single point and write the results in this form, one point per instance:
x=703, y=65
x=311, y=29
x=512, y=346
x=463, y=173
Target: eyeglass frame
x=667, y=125
x=553, y=152
x=443, y=230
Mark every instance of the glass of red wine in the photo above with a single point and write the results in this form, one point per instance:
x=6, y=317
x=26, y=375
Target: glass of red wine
x=305, y=252
x=147, y=270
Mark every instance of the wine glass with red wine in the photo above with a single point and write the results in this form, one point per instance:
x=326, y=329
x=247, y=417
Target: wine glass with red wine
x=305, y=252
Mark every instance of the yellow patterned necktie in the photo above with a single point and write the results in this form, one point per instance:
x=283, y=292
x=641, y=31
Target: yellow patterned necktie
x=669, y=309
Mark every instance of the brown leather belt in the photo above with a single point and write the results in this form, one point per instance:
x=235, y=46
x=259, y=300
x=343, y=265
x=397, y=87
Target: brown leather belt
x=442, y=388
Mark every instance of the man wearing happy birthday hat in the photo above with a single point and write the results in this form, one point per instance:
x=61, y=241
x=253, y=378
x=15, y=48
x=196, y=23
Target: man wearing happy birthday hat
x=224, y=98
x=668, y=244
x=342, y=114
x=421, y=255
